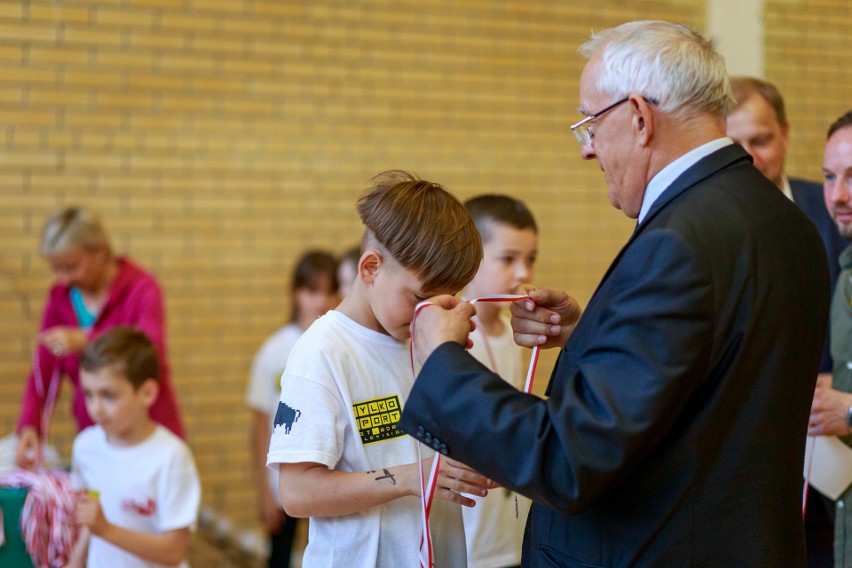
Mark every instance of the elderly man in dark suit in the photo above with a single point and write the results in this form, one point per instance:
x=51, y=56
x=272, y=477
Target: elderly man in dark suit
x=674, y=430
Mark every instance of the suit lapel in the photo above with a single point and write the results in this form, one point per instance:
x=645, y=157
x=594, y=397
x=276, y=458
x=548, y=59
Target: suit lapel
x=701, y=170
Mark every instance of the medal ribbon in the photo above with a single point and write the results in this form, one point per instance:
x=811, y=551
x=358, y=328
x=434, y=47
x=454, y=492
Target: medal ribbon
x=427, y=489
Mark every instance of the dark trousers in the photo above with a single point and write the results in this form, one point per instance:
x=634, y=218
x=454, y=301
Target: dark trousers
x=819, y=530
x=282, y=544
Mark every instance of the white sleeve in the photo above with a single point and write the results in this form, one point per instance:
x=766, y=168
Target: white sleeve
x=265, y=377
x=179, y=491
x=310, y=422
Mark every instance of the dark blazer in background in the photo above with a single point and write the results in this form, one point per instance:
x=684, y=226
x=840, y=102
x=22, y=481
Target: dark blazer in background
x=674, y=430
x=808, y=196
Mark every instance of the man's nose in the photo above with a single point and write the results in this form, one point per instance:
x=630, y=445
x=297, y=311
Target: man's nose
x=522, y=273
x=838, y=193
x=587, y=152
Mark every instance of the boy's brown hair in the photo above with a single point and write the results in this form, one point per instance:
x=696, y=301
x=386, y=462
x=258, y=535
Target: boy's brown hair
x=425, y=228
x=502, y=209
x=128, y=351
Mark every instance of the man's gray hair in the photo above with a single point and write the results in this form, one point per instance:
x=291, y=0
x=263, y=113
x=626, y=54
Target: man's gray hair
x=664, y=62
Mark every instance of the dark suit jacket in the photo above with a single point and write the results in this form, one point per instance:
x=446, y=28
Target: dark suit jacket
x=809, y=197
x=675, y=427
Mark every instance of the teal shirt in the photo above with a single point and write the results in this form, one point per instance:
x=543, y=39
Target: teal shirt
x=85, y=318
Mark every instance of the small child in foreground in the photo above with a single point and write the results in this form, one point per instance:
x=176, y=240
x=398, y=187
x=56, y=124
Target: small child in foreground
x=342, y=460
x=142, y=491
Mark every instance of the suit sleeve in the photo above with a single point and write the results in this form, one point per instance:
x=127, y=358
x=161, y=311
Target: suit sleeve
x=615, y=396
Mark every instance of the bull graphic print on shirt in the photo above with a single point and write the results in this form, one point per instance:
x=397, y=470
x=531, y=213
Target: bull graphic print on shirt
x=377, y=419
x=286, y=417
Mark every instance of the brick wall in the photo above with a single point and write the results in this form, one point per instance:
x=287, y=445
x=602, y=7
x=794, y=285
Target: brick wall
x=221, y=138
x=809, y=57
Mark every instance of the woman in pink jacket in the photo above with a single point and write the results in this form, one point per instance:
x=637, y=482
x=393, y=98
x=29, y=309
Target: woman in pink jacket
x=94, y=291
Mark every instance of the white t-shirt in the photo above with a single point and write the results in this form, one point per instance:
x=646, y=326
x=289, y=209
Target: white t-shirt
x=151, y=487
x=493, y=533
x=341, y=398
x=264, y=388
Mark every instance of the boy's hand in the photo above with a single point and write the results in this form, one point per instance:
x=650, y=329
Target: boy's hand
x=455, y=478
x=270, y=513
x=89, y=514
x=449, y=319
x=546, y=318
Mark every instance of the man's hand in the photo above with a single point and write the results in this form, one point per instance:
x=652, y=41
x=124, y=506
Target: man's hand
x=828, y=412
x=449, y=319
x=546, y=318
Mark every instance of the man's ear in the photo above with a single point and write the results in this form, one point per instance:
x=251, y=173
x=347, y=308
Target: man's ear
x=642, y=120
x=149, y=390
x=369, y=265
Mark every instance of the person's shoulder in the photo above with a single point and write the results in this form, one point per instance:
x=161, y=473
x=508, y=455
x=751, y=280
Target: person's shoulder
x=132, y=275
x=168, y=447
x=805, y=185
x=88, y=438
x=284, y=336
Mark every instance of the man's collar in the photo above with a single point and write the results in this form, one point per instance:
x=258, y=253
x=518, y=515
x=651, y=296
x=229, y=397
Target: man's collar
x=671, y=172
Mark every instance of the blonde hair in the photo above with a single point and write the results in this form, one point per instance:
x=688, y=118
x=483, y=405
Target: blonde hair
x=423, y=227
x=73, y=226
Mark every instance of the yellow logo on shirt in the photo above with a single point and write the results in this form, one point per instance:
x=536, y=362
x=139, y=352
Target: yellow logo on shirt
x=377, y=419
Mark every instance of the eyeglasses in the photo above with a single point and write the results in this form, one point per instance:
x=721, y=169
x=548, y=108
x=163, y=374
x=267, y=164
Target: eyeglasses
x=582, y=130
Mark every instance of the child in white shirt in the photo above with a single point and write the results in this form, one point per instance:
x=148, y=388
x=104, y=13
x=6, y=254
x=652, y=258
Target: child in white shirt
x=341, y=458
x=142, y=491
x=494, y=529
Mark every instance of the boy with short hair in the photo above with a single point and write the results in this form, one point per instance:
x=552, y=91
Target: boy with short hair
x=341, y=458
x=494, y=529
x=143, y=491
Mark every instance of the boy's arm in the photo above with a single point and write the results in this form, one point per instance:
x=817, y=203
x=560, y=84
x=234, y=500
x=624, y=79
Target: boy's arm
x=267, y=506
x=313, y=490
x=168, y=548
x=80, y=550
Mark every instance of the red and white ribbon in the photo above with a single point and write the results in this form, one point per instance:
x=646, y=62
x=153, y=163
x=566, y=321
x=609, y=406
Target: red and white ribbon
x=427, y=488
x=47, y=518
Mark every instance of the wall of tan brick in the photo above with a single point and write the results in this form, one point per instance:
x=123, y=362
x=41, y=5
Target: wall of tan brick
x=809, y=57
x=220, y=138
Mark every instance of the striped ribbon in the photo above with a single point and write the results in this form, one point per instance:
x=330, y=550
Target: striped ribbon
x=427, y=487
x=47, y=518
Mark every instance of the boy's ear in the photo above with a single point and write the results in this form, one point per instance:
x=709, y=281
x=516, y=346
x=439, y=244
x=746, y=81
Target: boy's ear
x=149, y=391
x=369, y=265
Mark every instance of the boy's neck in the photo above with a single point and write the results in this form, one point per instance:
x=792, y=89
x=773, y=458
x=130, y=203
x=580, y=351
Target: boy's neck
x=356, y=307
x=138, y=434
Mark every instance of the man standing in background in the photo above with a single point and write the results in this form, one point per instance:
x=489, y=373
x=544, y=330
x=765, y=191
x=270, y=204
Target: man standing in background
x=831, y=414
x=758, y=122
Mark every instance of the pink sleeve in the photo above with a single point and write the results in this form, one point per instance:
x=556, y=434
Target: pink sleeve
x=45, y=366
x=151, y=316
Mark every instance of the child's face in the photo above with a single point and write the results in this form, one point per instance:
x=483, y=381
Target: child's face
x=114, y=404
x=346, y=273
x=394, y=294
x=314, y=303
x=508, y=260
